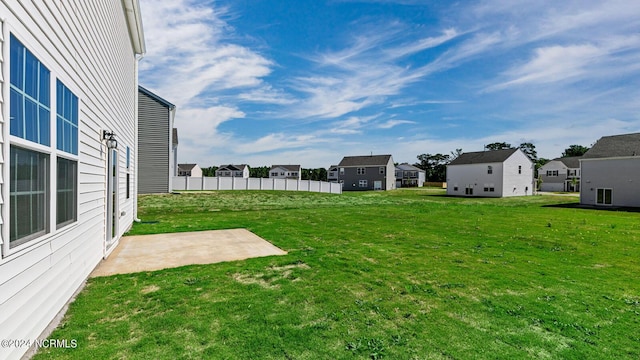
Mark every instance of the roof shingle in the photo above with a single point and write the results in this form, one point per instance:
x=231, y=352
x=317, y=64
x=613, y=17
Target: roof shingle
x=482, y=157
x=615, y=146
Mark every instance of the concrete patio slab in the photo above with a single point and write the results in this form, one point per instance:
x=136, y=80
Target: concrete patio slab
x=162, y=251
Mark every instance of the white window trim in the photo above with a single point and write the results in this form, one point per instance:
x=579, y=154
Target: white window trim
x=604, y=204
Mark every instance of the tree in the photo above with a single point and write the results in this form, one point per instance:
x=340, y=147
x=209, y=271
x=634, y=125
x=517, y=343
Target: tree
x=209, y=171
x=498, y=146
x=530, y=150
x=435, y=166
x=454, y=154
x=538, y=164
x=574, y=150
x=259, y=172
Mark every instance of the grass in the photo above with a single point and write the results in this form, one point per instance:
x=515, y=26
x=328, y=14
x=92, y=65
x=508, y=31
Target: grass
x=394, y=275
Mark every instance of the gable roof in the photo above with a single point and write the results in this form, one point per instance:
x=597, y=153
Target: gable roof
x=570, y=161
x=615, y=146
x=482, y=157
x=407, y=167
x=233, y=167
x=157, y=98
x=367, y=160
x=286, y=167
x=186, y=167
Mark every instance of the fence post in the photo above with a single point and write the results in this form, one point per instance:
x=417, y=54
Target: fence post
x=202, y=184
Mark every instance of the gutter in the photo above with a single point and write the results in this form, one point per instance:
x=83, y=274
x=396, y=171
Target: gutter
x=134, y=21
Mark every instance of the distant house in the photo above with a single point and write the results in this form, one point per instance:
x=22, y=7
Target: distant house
x=409, y=176
x=496, y=173
x=561, y=174
x=369, y=172
x=189, y=170
x=332, y=174
x=68, y=94
x=611, y=172
x=240, y=171
x=285, y=172
x=156, y=146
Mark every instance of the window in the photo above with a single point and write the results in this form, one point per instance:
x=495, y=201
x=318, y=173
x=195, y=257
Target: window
x=30, y=170
x=66, y=141
x=128, y=185
x=489, y=169
x=341, y=171
x=67, y=119
x=274, y=174
x=29, y=99
x=128, y=157
x=360, y=171
x=362, y=183
x=66, y=192
x=604, y=196
x=455, y=188
x=381, y=169
x=28, y=192
x=519, y=169
x=552, y=172
x=468, y=191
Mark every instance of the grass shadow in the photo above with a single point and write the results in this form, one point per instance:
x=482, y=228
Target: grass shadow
x=594, y=207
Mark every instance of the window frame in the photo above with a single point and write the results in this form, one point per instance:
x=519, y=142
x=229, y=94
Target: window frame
x=489, y=169
x=363, y=183
x=361, y=171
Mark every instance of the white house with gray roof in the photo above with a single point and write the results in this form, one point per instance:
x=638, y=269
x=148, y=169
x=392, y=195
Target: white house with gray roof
x=611, y=172
x=239, y=171
x=495, y=173
x=369, y=172
x=285, y=172
x=409, y=176
x=561, y=174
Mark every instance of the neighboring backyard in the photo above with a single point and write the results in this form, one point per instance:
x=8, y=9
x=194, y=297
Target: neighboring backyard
x=405, y=274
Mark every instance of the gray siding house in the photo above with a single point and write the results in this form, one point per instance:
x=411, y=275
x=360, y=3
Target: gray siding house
x=561, y=174
x=156, y=149
x=611, y=172
x=372, y=172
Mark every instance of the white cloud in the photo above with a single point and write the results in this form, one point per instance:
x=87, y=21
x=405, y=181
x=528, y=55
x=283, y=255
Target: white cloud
x=189, y=51
x=392, y=123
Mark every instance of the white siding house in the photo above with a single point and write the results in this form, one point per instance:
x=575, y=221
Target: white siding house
x=189, y=170
x=561, y=174
x=497, y=173
x=285, y=172
x=68, y=74
x=240, y=171
x=611, y=172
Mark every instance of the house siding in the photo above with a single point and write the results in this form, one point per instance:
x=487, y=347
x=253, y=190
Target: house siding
x=86, y=45
x=351, y=178
x=475, y=176
x=505, y=178
x=517, y=183
x=622, y=175
x=154, y=146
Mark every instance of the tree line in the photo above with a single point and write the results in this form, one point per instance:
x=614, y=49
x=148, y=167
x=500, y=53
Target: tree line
x=435, y=165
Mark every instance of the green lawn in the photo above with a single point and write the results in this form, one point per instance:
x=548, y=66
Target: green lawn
x=397, y=275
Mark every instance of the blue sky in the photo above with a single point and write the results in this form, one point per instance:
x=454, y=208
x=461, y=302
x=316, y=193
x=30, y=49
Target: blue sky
x=307, y=82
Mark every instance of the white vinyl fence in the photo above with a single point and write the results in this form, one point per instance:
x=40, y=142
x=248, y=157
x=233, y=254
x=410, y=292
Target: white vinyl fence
x=231, y=183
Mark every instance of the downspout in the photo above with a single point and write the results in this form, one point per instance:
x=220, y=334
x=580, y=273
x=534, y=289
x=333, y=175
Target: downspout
x=138, y=57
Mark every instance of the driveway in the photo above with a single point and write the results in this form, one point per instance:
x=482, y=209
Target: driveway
x=161, y=251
